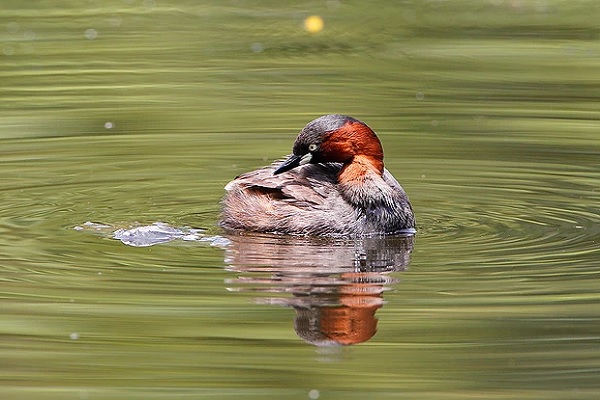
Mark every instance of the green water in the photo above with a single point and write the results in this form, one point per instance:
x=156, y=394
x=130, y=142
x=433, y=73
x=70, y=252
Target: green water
x=130, y=111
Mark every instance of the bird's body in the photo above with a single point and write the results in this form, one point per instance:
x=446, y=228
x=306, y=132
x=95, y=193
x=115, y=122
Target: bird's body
x=334, y=184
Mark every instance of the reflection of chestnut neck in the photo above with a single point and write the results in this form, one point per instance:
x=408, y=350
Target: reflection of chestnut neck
x=341, y=325
x=335, y=287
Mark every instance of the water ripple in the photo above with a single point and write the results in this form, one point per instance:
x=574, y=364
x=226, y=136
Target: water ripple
x=536, y=216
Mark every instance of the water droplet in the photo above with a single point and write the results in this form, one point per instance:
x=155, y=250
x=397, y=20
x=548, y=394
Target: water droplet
x=91, y=34
x=115, y=21
x=29, y=35
x=332, y=4
x=257, y=47
x=12, y=27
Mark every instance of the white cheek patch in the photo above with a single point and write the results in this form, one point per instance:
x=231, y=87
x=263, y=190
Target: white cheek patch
x=305, y=159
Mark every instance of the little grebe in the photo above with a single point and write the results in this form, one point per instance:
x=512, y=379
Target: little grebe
x=335, y=185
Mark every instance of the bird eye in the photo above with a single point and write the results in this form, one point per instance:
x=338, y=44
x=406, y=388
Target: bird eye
x=312, y=147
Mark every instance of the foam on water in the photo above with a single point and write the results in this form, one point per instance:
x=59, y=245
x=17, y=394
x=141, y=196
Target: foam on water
x=150, y=235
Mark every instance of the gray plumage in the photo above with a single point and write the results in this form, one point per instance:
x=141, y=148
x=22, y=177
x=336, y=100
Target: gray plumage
x=309, y=200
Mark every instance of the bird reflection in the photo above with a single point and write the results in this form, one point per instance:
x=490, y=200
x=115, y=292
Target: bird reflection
x=335, y=286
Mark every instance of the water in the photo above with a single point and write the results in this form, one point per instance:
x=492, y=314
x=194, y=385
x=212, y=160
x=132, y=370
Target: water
x=128, y=113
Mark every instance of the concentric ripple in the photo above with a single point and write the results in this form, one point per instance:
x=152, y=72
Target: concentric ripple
x=535, y=213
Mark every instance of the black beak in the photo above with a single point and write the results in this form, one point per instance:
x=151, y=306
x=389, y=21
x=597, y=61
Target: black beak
x=292, y=162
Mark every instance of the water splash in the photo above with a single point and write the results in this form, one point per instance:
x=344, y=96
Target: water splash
x=138, y=235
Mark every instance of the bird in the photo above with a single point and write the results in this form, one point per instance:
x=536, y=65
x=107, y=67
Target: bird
x=333, y=184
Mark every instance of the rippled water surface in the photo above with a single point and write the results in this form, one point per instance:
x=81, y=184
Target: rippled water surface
x=128, y=113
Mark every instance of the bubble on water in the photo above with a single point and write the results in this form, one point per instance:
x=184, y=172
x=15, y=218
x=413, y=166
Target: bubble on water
x=27, y=49
x=29, y=35
x=109, y=125
x=91, y=34
x=257, y=47
x=409, y=15
x=115, y=21
x=314, y=394
x=420, y=96
x=74, y=336
x=332, y=4
x=12, y=27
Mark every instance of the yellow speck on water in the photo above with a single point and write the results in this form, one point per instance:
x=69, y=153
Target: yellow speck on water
x=313, y=24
